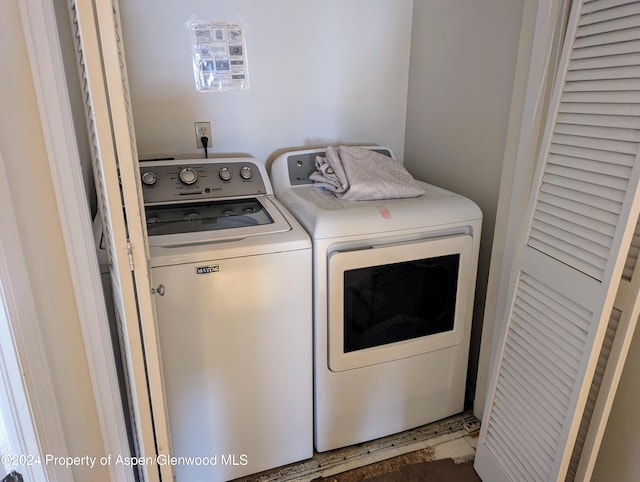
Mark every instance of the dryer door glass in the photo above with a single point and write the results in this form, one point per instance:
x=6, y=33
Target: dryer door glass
x=393, y=301
x=399, y=301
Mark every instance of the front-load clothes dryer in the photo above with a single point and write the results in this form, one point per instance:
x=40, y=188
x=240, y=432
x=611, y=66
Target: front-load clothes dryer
x=393, y=287
x=236, y=343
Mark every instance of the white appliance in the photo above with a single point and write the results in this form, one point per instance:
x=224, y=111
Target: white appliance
x=231, y=271
x=393, y=296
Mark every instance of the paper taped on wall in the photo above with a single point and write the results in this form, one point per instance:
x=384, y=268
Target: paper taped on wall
x=219, y=55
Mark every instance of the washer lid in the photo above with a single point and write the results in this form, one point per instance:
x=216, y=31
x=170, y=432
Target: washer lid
x=217, y=220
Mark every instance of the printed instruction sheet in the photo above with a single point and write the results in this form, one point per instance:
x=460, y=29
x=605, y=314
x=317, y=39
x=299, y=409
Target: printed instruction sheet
x=219, y=55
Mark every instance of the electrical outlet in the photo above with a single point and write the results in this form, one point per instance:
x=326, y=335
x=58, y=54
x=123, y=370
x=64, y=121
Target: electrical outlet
x=203, y=129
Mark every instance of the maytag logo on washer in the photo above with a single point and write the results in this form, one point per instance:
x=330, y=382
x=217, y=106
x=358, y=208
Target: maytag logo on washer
x=215, y=268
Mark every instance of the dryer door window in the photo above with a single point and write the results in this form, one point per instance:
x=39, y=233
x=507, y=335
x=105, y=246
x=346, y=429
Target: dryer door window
x=399, y=301
x=395, y=301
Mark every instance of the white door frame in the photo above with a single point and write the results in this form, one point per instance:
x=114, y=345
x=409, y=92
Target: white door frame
x=45, y=56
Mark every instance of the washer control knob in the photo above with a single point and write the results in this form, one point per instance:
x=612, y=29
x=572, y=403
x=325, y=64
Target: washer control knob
x=246, y=172
x=188, y=175
x=225, y=174
x=149, y=178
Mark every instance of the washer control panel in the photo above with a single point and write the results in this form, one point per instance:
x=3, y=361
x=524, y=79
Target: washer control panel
x=193, y=179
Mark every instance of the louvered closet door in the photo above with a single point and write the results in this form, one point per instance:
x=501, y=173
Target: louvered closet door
x=104, y=78
x=581, y=218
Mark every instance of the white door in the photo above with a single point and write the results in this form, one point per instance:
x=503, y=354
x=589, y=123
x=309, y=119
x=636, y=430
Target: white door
x=102, y=68
x=581, y=217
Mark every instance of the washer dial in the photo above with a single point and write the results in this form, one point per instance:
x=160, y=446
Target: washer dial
x=149, y=178
x=225, y=174
x=188, y=175
x=246, y=172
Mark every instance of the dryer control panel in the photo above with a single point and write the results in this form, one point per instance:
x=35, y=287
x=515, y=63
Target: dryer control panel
x=302, y=165
x=200, y=179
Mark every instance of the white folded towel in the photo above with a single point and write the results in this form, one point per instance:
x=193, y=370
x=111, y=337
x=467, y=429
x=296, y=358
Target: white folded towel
x=358, y=174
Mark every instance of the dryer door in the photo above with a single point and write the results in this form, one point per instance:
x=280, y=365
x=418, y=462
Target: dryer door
x=399, y=300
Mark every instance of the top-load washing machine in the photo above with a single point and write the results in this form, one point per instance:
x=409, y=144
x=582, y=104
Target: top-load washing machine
x=235, y=342
x=393, y=286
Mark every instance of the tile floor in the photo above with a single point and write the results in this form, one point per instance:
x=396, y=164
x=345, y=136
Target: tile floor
x=454, y=437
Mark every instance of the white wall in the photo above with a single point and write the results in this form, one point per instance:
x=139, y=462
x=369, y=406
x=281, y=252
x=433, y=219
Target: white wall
x=320, y=73
x=463, y=57
x=23, y=150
